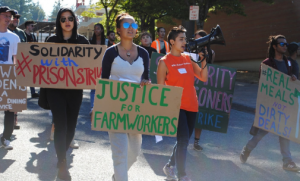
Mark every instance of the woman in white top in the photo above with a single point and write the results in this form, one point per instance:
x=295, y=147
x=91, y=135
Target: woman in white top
x=125, y=61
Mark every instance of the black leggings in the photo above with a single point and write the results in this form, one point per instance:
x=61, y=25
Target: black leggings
x=65, y=106
x=9, y=122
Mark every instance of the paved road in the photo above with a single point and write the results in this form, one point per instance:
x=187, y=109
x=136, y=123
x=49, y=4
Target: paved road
x=33, y=157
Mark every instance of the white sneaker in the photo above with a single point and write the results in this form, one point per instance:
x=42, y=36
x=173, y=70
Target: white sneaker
x=6, y=145
x=74, y=144
x=170, y=172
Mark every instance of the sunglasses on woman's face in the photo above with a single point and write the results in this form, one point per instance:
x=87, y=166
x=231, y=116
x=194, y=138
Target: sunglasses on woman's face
x=71, y=19
x=133, y=25
x=282, y=44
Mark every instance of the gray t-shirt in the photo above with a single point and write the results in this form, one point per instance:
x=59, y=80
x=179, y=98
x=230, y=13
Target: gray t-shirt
x=281, y=66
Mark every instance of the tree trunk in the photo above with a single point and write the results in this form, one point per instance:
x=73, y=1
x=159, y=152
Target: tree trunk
x=152, y=28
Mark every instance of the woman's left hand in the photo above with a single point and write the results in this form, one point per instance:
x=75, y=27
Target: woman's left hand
x=145, y=82
x=294, y=77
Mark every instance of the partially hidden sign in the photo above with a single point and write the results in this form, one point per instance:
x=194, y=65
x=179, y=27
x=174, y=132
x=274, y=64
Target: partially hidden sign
x=278, y=104
x=155, y=57
x=66, y=66
x=13, y=97
x=215, y=98
x=126, y=108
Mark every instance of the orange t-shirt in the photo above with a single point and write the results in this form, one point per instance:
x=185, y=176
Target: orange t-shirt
x=181, y=74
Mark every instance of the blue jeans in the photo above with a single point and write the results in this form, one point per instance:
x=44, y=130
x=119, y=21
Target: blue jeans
x=92, y=96
x=186, y=125
x=284, y=145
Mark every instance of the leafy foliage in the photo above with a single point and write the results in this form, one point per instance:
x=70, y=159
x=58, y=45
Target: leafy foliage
x=26, y=8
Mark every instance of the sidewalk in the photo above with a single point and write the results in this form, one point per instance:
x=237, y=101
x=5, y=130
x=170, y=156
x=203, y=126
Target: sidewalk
x=33, y=157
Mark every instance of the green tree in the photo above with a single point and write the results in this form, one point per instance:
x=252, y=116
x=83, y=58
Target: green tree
x=213, y=6
x=22, y=6
x=38, y=14
x=147, y=12
x=57, y=5
x=112, y=9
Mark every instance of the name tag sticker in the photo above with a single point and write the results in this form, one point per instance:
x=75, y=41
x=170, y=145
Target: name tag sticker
x=182, y=71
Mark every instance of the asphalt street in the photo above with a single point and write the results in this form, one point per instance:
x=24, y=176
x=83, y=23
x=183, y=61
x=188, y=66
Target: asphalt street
x=33, y=157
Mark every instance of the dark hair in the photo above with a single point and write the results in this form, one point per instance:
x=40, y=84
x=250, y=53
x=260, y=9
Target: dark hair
x=202, y=33
x=28, y=23
x=146, y=33
x=174, y=32
x=109, y=32
x=94, y=40
x=119, y=19
x=273, y=41
x=59, y=32
x=292, y=48
x=157, y=30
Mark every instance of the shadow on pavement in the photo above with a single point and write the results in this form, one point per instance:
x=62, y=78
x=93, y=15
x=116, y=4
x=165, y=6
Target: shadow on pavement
x=44, y=163
x=5, y=163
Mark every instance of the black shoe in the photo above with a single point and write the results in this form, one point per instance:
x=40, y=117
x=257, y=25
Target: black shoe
x=35, y=95
x=63, y=172
x=197, y=147
x=17, y=127
x=244, y=155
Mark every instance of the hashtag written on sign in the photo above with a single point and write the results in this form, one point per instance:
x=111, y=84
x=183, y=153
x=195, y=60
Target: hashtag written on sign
x=22, y=67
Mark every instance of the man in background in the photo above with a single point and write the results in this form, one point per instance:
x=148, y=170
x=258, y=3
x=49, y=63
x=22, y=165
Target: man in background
x=160, y=44
x=29, y=25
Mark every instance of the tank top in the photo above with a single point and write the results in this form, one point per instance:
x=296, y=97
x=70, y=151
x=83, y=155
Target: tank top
x=181, y=74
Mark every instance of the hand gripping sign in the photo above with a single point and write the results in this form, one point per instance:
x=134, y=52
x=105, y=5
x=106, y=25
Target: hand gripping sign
x=12, y=96
x=277, y=104
x=125, y=107
x=66, y=66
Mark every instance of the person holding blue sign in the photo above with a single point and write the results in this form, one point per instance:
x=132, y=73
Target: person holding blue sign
x=128, y=62
x=198, y=131
x=177, y=69
x=277, y=60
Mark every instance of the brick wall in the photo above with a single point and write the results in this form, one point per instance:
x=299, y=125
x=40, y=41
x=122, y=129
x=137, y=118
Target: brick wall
x=246, y=37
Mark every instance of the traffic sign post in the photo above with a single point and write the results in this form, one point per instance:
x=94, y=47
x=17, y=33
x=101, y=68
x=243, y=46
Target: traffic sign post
x=194, y=12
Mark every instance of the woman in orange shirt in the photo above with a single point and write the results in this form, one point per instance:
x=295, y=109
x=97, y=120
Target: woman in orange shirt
x=177, y=69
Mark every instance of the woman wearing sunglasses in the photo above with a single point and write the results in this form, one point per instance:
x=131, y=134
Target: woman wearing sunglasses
x=177, y=69
x=129, y=62
x=65, y=103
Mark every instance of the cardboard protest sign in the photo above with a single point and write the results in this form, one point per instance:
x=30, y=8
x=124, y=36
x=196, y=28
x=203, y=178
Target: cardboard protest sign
x=155, y=57
x=125, y=107
x=278, y=104
x=12, y=96
x=215, y=98
x=66, y=66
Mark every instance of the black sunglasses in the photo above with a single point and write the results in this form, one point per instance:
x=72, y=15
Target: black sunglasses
x=70, y=18
x=17, y=17
x=282, y=44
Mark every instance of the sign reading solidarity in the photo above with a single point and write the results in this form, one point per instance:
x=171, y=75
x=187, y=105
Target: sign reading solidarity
x=67, y=66
x=13, y=97
x=127, y=108
x=278, y=104
x=215, y=98
x=155, y=57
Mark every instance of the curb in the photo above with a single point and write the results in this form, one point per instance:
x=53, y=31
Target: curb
x=242, y=108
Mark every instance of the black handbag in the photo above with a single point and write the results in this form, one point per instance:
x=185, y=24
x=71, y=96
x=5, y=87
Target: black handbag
x=43, y=102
